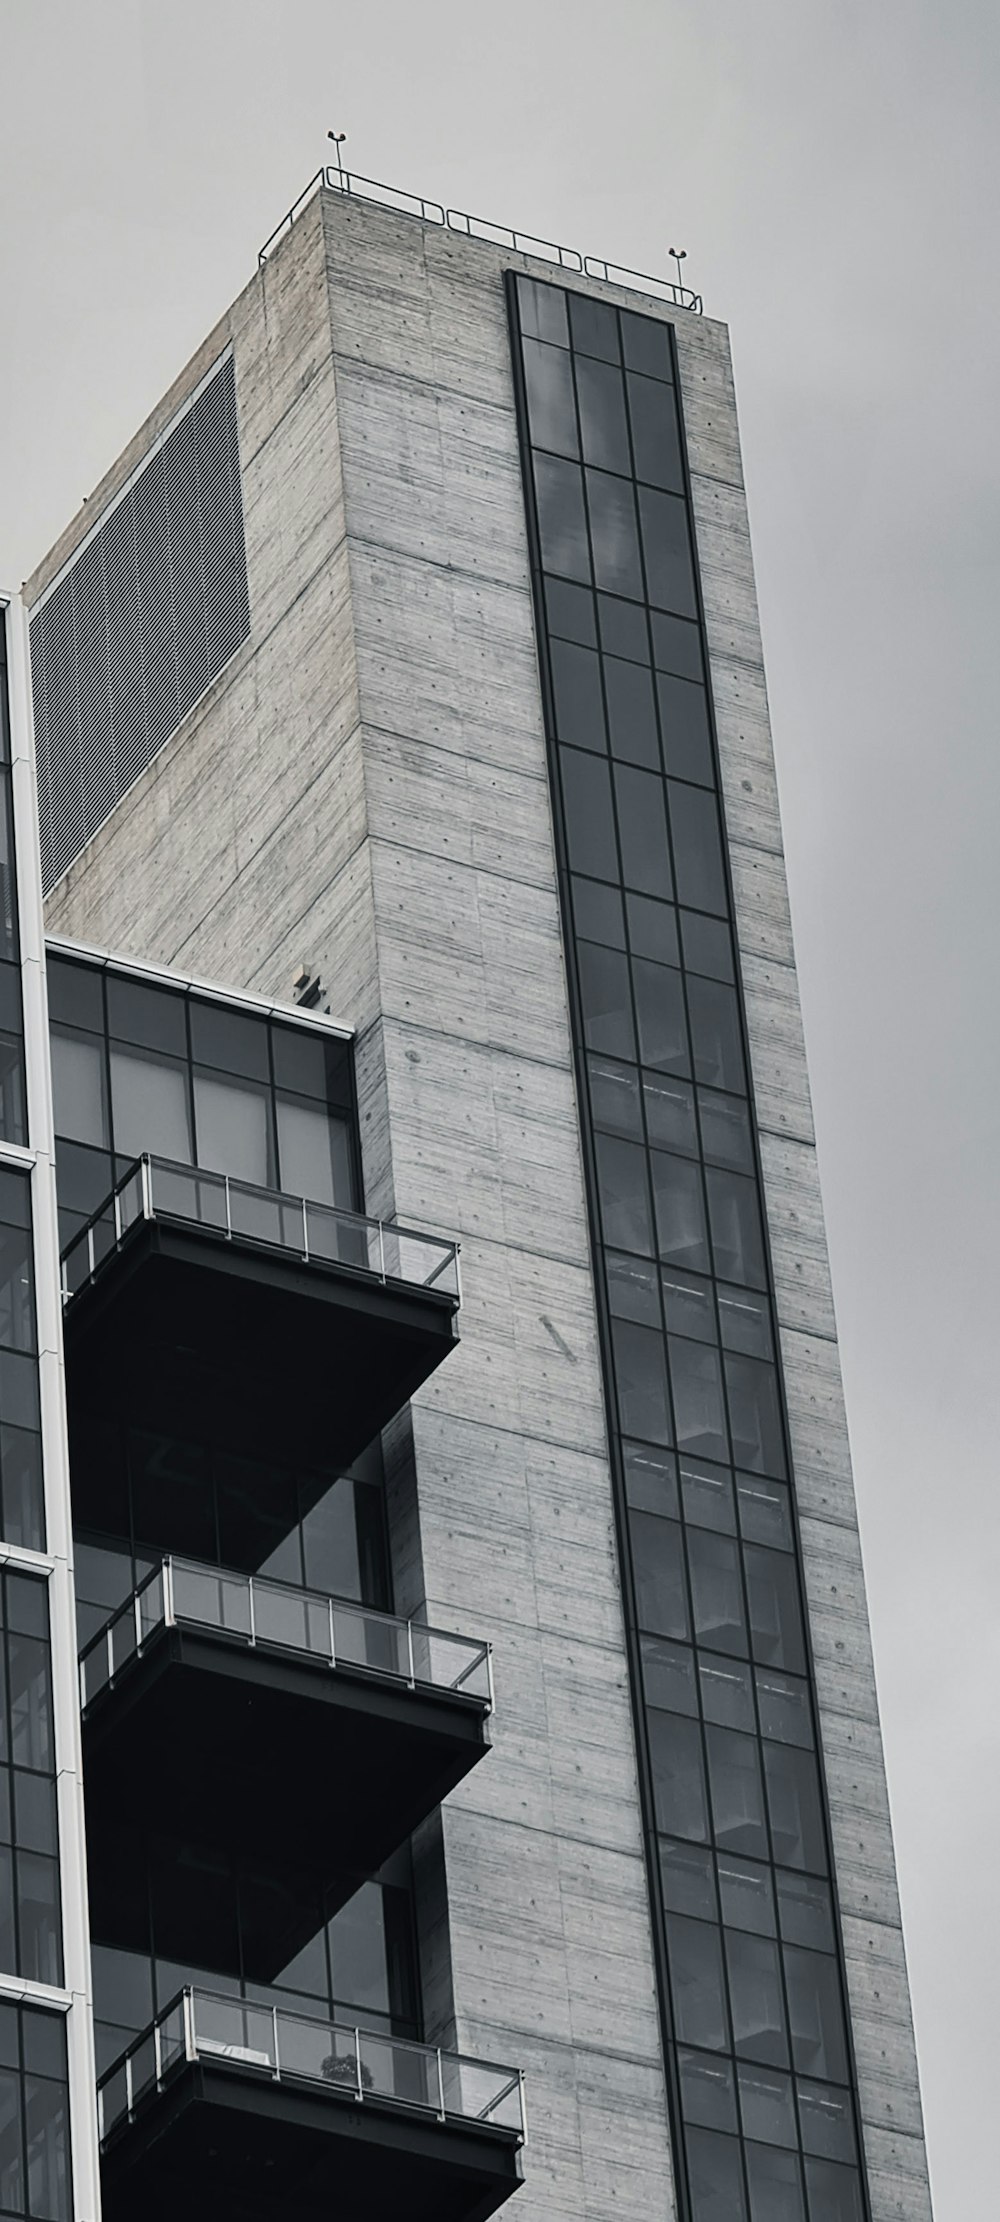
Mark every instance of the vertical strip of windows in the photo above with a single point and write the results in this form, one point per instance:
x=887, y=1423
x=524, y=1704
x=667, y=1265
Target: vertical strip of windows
x=748, y=1951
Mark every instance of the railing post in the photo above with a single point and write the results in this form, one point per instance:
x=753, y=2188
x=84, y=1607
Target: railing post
x=157, y=2054
x=229, y=1213
x=523, y=2102
x=190, y=2037
x=381, y=1249
x=274, y=2033
x=333, y=1634
x=357, y=2060
x=440, y=2062
x=117, y=1202
x=137, y=1617
x=169, y=1618
x=305, y=1228
x=90, y=1249
x=489, y=1676
x=147, y=1187
x=253, y=1614
x=128, y=2085
x=111, y=1651
x=409, y=1655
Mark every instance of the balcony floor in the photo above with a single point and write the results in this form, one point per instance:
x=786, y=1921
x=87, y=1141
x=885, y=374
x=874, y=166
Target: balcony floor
x=217, y=2145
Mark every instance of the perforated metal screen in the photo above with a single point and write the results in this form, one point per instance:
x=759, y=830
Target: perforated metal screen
x=140, y=623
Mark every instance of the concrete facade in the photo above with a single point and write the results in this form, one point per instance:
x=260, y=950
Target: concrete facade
x=365, y=789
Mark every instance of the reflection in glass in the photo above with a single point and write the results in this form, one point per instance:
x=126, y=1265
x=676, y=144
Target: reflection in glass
x=696, y=1977
x=655, y=433
x=631, y=713
x=576, y=688
x=611, y=501
x=661, y=1593
x=715, y=2175
x=606, y=1001
x=755, y=1997
x=548, y=378
x=602, y=416
x=667, y=550
x=562, y=523
x=699, y=1415
x=149, y=1104
x=679, y=1794
x=590, y=826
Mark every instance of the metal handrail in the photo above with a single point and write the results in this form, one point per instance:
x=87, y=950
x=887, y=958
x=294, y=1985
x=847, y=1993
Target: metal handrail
x=261, y=1614
x=268, y=2041
x=160, y=1188
x=337, y=180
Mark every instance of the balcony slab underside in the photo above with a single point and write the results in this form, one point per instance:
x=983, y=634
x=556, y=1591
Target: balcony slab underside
x=219, y=2143
x=275, y=1756
x=265, y=1354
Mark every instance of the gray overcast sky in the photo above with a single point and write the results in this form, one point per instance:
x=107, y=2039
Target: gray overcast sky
x=832, y=171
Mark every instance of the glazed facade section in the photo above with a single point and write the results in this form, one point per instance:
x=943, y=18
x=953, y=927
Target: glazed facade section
x=744, y=1915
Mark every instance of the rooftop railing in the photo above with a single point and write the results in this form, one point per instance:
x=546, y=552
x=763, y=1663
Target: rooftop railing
x=157, y=1188
x=259, y=1614
x=280, y=2047
x=479, y=227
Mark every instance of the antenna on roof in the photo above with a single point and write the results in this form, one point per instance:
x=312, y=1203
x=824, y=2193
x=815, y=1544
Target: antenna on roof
x=338, y=138
x=678, y=255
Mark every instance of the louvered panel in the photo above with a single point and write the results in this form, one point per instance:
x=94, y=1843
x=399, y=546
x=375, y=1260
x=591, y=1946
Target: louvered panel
x=139, y=624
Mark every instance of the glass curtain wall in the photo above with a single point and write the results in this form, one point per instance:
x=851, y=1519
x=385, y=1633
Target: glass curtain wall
x=745, y=1926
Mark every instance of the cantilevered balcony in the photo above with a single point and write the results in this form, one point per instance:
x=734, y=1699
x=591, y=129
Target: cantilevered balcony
x=225, y=2108
x=257, y=1717
x=281, y=1328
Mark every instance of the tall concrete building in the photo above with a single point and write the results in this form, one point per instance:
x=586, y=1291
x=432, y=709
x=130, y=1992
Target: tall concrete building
x=476, y=1700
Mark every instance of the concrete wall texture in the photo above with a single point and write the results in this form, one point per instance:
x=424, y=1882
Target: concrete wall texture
x=365, y=789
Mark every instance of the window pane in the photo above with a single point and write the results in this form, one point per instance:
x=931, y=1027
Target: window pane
x=676, y=646
x=805, y=1911
x=17, y=1295
x=658, y=1561
x=613, y=529
x=646, y=344
x=38, y=1918
x=827, y=2119
x=670, y=1118
x=708, y=2095
x=707, y=1494
x=358, y=1951
x=641, y=1382
x=652, y=929
x=755, y=1998
x=668, y=1676
x=775, y=1613
x=11, y=2140
x=149, y=1098
x=542, y=310
x=232, y=1122
x=737, y=1240
x=598, y=913
x=594, y=326
x=570, y=612
x=708, y=945
x=745, y=1322
x=716, y=1058
x=30, y=1701
x=78, y=1088
x=695, y=1961
x=687, y=744
x=767, y=2105
x=576, y=692
x=688, y=1305
x=775, y=2185
x=606, y=999
x=726, y=1692
x=716, y=1591
x=590, y=829
x=47, y=2118
x=765, y=1512
x=624, y=628
x=679, y=1799
x=614, y=1096
x=794, y=1807
x=680, y=1216
x=562, y=523
x=314, y=1154
x=834, y=2192
x=737, y=1796
x=819, y=2043
x=716, y=2177
x=747, y=1895
x=633, y=1288
x=152, y=1016
x=602, y=416
x=699, y=1418
x=785, y=1712
x=694, y=819
x=659, y=999
x=22, y=1494
x=631, y=713
x=667, y=550
x=623, y=1189
x=13, y=1106
x=754, y=1415
x=688, y=1875
x=650, y=1480
x=642, y=825
x=548, y=379
x=655, y=433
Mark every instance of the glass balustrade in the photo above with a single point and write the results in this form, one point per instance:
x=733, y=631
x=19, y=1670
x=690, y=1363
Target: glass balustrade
x=283, y=2047
x=251, y=1610
x=155, y=1188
